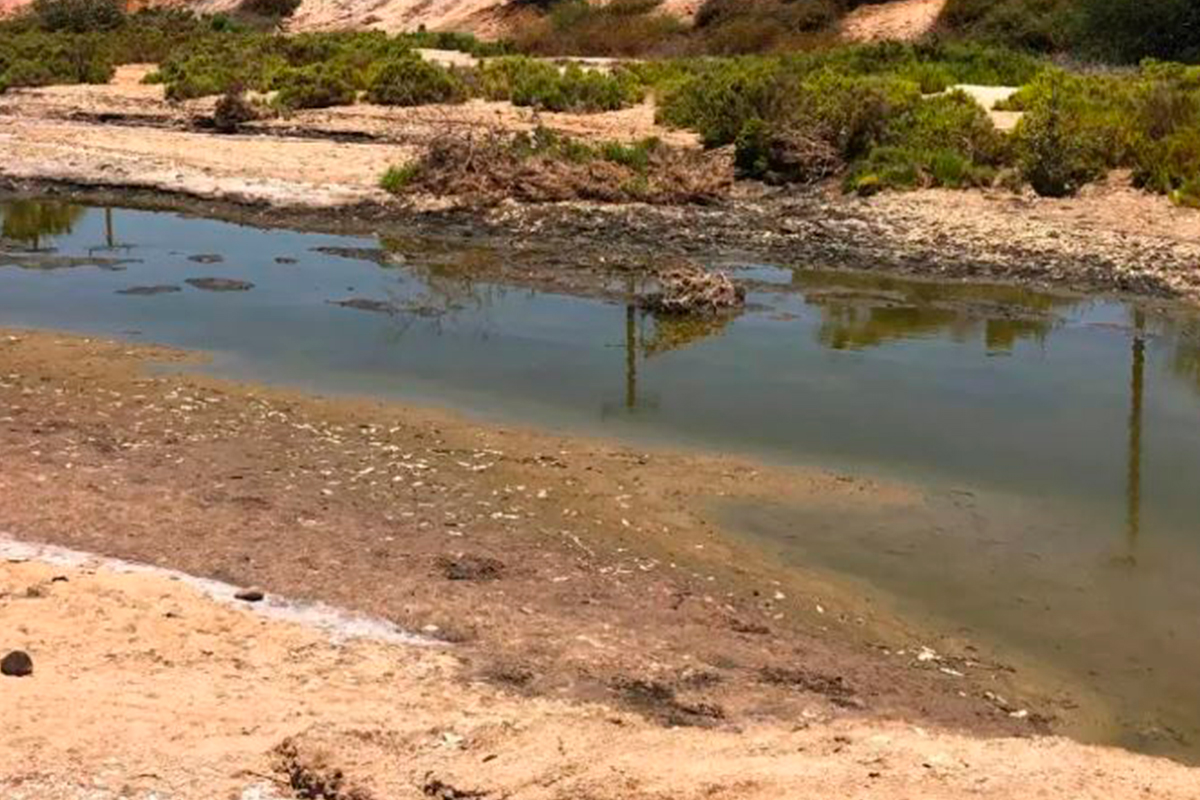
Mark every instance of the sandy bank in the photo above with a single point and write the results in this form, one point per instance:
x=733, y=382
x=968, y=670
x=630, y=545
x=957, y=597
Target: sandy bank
x=142, y=688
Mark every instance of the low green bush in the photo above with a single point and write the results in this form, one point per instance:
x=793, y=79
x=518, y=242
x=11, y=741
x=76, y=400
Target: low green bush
x=1120, y=31
x=411, y=81
x=35, y=58
x=1057, y=152
x=528, y=82
x=79, y=16
x=316, y=86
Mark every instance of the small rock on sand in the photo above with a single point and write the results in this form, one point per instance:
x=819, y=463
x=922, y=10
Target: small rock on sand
x=17, y=664
x=251, y=594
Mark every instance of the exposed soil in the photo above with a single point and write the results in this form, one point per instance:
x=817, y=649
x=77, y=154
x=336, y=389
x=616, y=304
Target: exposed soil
x=1113, y=238
x=554, y=571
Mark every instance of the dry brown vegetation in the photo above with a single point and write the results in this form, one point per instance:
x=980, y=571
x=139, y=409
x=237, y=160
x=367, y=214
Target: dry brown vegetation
x=542, y=166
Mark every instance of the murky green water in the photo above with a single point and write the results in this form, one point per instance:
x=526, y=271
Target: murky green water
x=1057, y=439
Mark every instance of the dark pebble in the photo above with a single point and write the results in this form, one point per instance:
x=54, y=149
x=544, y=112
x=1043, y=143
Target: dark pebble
x=251, y=595
x=17, y=664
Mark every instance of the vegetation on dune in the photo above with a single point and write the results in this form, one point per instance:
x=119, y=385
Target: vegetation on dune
x=875, y=116
x=722, y=27
x=528, y=82
x=1122, y=31
x=411, y=81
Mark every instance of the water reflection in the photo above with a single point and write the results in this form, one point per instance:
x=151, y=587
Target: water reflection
x=1133, y=480
x=29, y=221
x=864, y=311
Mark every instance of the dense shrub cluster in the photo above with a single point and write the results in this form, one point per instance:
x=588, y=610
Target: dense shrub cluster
x=881, y=115
x=35, y=58
x=640, y=28
x=717, y=97
x=411, y=81
x=331, y=67
x=1078, y=127
x=1123, y=31
x=79, y=16
x=314, y=86
x=528, y=82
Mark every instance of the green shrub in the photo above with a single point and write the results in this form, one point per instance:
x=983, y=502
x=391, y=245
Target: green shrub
x=1122, y=31
x=1170, y=165
x=529, y=82
x=316, y=86
x=411, y=81
x=1126, y=31
x=1057, y=152
x=79, y=16
x=1041, y=25
x=35, y=58
x=720, y=97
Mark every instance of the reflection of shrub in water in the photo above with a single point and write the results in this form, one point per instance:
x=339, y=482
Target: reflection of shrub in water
x=27, y=221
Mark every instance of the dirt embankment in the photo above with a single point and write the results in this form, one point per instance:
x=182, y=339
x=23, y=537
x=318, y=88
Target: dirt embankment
x=593, y=637
x=124, y=136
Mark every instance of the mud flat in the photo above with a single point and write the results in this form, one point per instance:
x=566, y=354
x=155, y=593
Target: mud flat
x=327, y=164
x=582, y=624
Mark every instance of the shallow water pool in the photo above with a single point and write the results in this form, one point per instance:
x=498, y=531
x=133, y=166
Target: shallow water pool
x=1056, y=439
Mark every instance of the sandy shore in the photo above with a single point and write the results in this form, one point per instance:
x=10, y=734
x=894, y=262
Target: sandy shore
x=174, y=695
x=590, y=634
x=125, y=137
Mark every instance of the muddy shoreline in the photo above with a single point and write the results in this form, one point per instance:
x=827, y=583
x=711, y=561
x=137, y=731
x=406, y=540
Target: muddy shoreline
x=555, y=565
x=581, y=250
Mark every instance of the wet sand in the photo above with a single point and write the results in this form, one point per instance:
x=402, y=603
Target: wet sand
x=586, y=615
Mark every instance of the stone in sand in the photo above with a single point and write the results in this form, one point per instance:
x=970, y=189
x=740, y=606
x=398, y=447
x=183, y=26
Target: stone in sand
x=250, y=595
x=17, y=664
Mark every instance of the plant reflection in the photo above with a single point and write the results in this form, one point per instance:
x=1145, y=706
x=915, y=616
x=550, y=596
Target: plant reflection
x=29, y=221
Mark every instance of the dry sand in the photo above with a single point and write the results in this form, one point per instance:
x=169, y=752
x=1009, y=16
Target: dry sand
x=899, y=19
x=144, y=688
